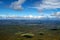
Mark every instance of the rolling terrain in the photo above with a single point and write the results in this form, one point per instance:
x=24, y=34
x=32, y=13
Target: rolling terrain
x=40, y=29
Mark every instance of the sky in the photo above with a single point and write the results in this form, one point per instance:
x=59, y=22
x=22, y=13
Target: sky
x=30, y=8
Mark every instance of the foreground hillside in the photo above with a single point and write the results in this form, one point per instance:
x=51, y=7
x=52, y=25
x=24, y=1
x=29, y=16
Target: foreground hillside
x=28, y=32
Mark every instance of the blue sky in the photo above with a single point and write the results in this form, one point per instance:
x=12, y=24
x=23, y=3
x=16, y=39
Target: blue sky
x=5, y=9
x=30, y=7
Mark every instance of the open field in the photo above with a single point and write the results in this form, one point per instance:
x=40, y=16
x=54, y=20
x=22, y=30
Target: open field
x=14, y=32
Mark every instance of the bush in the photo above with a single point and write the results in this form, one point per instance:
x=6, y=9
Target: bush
x=41, y=33
x=27, y=35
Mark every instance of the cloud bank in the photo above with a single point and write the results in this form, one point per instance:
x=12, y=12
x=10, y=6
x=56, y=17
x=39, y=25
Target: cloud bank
x=47, y=4
x=57, y=15
x=51, y=16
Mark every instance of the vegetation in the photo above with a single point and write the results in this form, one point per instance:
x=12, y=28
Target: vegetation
x=27, y=35
x=27, y=32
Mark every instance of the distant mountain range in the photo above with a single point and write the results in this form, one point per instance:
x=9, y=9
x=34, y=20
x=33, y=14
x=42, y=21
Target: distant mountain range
x=27, y=21
x=45, y=23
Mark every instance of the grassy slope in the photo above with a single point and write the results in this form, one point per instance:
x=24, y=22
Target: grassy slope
x=14, y=32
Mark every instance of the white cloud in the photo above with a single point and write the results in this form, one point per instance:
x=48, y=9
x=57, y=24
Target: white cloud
x=34, y=17
x=30, y=16
x=56, y=14
x=48, y=4
x=51, y=16
x=17, y=5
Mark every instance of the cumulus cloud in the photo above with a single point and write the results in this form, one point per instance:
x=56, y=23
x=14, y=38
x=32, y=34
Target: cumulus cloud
x=56, y=15
x=17, y=5
x=48, y=4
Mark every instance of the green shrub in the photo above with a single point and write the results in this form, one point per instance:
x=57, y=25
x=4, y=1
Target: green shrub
x=27, y=35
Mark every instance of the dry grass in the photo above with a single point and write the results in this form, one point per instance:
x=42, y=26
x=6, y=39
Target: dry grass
x=14, y=33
